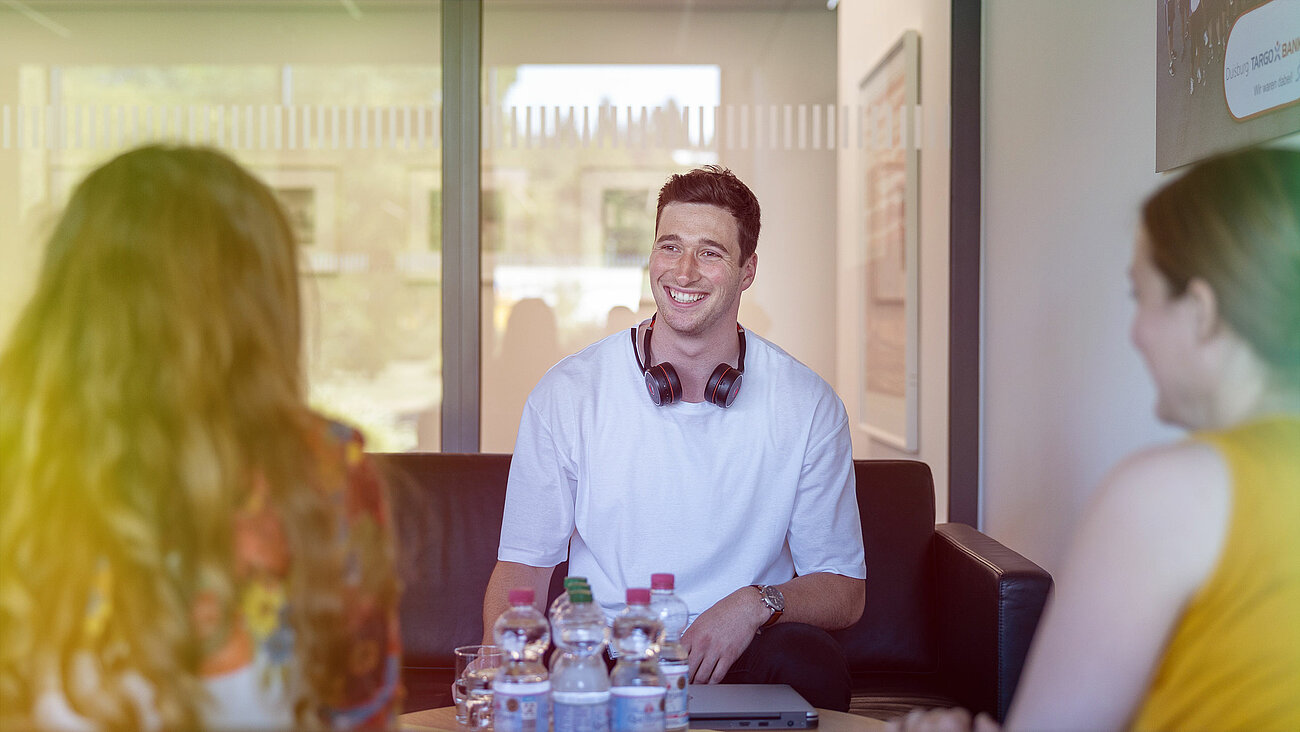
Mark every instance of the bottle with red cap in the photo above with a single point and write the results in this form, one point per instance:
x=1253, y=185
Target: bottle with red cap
x=521, y=693
x=636, y=686
x=673, y=665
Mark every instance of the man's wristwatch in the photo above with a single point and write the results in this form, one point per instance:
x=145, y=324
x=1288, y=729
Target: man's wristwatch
x=775, y=602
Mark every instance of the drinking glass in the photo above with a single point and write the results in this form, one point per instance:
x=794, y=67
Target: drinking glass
x=476, y=666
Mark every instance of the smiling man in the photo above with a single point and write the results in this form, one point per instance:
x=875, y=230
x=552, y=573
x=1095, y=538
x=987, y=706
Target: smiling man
x=639, y=454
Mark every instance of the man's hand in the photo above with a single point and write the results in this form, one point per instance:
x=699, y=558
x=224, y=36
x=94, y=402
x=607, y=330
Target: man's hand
x=720, y=634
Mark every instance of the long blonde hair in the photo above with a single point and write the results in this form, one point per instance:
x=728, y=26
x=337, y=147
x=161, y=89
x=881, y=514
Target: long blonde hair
x=154, y=371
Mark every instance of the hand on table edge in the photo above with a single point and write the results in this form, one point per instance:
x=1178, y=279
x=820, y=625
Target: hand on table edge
x=942, y=720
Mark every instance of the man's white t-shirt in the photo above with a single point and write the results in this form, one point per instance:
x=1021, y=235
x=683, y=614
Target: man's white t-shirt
x=721, y=498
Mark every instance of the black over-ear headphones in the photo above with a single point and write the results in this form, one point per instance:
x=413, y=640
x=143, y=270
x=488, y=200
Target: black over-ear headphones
x=665, y=387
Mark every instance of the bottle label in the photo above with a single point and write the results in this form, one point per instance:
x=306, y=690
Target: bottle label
x=521, y=706
x=581, y=711
x=637, y=709
x=674, y=673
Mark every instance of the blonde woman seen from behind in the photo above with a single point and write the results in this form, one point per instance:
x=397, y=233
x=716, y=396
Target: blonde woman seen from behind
x=1177, y=608
x=183, y=543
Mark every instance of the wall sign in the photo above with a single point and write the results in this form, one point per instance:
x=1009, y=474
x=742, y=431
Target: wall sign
x=1227, y=76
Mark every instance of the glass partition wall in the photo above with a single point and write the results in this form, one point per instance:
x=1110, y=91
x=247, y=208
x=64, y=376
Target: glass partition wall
x=586, y=108
x=337, y=106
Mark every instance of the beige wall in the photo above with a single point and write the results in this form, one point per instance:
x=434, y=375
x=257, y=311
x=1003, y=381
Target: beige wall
x=1069, y=155
x=867, y=30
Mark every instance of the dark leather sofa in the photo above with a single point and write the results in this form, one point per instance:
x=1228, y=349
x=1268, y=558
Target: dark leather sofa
x=950, y=612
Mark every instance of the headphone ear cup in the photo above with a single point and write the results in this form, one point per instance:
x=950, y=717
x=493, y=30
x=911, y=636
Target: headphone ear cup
x=662, y=382
x=723, y=385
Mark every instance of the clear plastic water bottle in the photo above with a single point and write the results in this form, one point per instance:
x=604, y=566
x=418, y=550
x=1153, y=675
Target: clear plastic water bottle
x=559, y=606
x=521, y=692
x=636, y=686
x=562, y=600
x=674, y=615
x=579, y=682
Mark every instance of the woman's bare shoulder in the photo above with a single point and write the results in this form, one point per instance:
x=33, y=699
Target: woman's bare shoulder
x=1173, y=501
x=1176, y=472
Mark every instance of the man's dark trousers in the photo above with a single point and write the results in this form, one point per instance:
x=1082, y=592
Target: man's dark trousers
x=803, y=656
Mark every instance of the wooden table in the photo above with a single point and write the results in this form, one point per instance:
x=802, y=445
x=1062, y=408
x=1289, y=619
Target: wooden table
x=443, y=719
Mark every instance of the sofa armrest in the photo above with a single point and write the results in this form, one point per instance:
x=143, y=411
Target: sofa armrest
x=989, y=602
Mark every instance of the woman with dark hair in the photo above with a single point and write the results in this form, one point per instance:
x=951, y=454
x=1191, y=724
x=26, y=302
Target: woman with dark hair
x=1178, y=605
x=183, y=543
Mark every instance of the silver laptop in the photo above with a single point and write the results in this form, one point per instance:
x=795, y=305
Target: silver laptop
x=748, y=706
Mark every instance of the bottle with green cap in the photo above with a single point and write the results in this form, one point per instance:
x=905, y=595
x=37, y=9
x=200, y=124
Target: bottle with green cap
x=579, y=682
x=559, y=606
x=561, y=600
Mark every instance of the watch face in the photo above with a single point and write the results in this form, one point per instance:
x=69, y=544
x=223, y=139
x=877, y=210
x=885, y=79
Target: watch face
x=773, y=597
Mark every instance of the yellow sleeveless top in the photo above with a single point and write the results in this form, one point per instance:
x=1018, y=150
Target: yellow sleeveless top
x=1233, y=661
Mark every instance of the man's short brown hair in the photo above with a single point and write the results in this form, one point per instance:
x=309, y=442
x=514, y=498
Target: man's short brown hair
x=717, y=186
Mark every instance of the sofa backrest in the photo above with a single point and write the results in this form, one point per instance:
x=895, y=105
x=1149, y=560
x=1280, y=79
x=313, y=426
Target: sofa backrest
x=896, y=631
x=447, y=511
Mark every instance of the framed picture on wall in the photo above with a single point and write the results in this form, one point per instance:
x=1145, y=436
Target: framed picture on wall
x=888, y=177
x=1227, y=76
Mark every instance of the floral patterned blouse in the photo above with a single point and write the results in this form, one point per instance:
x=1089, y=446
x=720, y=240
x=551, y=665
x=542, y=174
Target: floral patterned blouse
x=251, y=671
